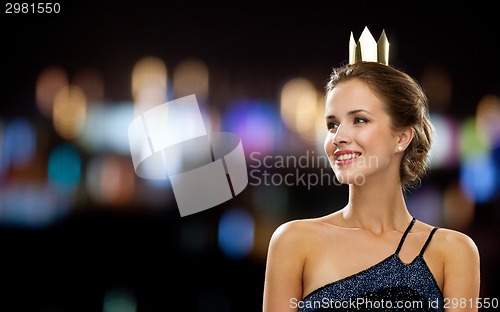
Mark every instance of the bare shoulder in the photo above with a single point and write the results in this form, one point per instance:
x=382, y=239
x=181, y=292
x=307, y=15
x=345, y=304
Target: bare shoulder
x=295, y=234
x=295, y=230
x=455, y=244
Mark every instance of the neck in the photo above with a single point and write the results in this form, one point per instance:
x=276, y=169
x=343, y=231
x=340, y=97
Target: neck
x=378, y=207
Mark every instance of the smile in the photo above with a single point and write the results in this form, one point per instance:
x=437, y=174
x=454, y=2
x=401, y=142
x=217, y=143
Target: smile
x=347, y=156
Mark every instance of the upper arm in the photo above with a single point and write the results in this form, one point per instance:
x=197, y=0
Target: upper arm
x=461, y=272
x=285, y=261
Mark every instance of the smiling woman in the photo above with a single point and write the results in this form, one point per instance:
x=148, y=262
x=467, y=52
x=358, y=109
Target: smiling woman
x=372, y=254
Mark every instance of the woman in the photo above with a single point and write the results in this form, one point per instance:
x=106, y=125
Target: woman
x=372, y=254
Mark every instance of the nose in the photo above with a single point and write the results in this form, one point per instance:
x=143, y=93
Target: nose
x=341, y=136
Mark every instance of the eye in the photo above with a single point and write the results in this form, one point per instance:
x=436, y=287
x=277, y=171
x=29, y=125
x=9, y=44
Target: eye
x=358, y=120
x=331, y=126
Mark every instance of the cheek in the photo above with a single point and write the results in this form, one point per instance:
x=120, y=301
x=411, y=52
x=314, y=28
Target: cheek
x=365, y=137
x=377, y=147
x=372, y=140
x=328, y=145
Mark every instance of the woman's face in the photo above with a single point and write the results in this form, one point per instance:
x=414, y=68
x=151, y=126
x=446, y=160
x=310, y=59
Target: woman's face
x=360, y=143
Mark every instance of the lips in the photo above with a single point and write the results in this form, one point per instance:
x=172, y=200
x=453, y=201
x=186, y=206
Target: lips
x=345, y=157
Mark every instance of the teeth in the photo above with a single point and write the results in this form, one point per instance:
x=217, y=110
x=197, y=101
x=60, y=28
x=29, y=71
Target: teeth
x=347, y=156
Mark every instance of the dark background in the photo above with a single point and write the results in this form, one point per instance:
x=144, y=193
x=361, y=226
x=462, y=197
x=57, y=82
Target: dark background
x=73, y=264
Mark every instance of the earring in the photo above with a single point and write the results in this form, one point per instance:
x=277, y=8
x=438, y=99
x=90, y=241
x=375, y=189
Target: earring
x=400, y=148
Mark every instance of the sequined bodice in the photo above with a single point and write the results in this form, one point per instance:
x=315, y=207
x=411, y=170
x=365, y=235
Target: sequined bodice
x=390, y=285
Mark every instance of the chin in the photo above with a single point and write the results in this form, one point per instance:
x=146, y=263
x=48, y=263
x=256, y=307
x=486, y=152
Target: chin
x=351, y=178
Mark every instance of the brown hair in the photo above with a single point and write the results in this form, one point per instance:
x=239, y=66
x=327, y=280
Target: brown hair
x=406, y=104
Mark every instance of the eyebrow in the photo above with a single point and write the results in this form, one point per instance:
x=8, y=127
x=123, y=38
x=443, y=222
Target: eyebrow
x=353, y=112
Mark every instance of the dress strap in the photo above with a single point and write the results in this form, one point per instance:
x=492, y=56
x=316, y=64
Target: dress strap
x=427, y=241
x=404, y=235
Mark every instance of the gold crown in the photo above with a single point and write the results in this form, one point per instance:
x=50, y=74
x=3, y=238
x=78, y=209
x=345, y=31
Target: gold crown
x=368, y=50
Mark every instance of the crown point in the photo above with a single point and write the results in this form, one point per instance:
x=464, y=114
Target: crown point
x=383, y=49
x=368, y=46
x=352, y=49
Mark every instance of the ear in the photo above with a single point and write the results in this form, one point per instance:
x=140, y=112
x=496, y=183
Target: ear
x=404, y=139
